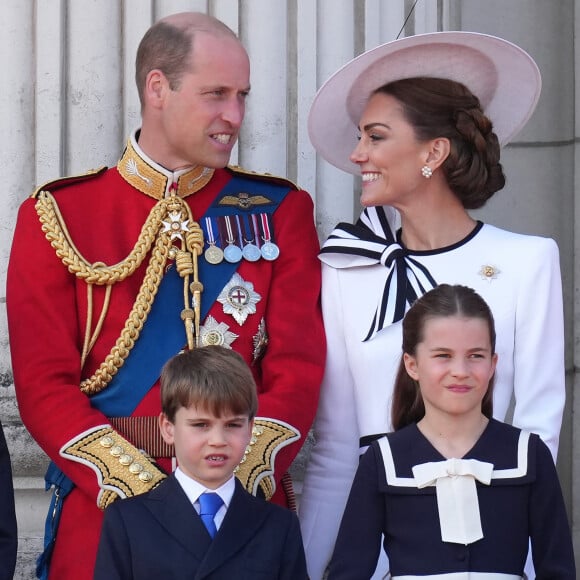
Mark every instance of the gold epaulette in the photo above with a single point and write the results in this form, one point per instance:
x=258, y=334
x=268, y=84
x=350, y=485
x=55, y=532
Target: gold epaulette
x=263, y=176
x=70, y=180
x=256, y=470
x=122, y=470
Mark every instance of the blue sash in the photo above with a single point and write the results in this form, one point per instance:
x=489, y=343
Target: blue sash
x=162, y=336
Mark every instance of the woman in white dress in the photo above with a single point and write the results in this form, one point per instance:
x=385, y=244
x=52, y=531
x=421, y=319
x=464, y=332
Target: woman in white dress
x=430, y=112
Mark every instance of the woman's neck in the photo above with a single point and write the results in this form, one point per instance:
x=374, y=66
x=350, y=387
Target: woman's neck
x=453, y=436
x=437, y=222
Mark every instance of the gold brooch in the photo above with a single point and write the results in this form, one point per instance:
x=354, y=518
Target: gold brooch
x=489, y=272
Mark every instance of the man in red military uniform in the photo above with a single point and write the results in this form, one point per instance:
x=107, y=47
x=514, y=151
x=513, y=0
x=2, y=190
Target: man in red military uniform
x=113, y=272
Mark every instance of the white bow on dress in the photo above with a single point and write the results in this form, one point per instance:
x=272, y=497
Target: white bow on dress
x=457, y=501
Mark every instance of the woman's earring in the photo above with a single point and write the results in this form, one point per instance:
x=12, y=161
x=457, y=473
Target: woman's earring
x=426, y=171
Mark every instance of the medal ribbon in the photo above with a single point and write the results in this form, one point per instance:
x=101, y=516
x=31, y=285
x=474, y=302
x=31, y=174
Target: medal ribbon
x=265, y=221
x=209, y=230
x=256, y=230
x=245, y=229
x=231, y=234
x=239, y=231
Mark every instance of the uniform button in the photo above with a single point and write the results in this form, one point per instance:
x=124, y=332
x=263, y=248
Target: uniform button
x=145, y=476
x=107, y=442
x=117, y=451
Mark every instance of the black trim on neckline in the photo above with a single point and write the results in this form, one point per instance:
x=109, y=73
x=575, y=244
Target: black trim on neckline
x=454, y=246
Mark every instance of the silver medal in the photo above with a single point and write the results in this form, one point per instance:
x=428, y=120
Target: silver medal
x=251, y=252
x=270, y=251
x=232, y=253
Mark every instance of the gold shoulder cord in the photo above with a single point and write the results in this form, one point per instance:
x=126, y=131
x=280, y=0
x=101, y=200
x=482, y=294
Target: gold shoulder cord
x=152, y=235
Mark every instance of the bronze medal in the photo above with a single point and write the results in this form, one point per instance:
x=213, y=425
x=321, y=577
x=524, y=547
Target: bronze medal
x=214, y=255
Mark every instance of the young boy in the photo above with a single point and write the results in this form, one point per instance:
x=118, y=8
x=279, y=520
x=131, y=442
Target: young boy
x=208, y=401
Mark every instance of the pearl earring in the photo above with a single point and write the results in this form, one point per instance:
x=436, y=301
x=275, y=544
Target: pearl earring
x=426, y=171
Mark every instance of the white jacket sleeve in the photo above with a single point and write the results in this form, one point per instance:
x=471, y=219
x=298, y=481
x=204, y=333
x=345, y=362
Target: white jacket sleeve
x=334, y=457
x=539, y=367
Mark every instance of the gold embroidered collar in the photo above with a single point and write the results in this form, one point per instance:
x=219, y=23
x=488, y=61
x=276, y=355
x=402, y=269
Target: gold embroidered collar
x=154, y=180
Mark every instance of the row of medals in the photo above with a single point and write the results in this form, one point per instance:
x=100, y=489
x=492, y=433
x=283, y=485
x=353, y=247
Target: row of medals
x=233, y=253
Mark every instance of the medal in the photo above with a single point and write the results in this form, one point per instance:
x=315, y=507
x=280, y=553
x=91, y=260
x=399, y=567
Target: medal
x=175, y=226
x=213, y=254
x=270, y=251
x=239, y=298
x=232, y=252
x=260, y=342
x=250, y=251
x=213, y=332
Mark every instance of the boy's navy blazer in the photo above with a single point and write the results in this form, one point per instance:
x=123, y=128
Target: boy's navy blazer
x=160, y=535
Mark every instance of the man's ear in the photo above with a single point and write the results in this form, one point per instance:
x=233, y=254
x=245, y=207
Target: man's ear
x=156, y=87
x=167, y=429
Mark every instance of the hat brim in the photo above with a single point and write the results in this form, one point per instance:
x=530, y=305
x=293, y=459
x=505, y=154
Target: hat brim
x=504, y=77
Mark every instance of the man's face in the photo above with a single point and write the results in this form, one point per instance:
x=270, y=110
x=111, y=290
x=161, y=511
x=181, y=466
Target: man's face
x=200, y=119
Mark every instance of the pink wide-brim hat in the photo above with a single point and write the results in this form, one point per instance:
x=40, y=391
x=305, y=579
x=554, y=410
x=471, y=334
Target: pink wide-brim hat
x=503, y=76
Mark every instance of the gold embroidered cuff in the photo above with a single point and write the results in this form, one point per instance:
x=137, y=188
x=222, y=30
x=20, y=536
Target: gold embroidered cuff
x=122, y=470
x=256, y=470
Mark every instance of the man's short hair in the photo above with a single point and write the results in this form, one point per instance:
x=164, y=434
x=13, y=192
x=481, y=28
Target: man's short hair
x=213, y=378
x=167, y=46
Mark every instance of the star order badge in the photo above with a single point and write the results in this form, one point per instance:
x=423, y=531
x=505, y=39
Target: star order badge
x=176, y=225
x=213, y=333
x=489, y=272
x=239, y=298
x=260, y=342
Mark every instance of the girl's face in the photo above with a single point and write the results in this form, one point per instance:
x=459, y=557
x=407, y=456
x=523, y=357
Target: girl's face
x=389, y=155
x=453, y=365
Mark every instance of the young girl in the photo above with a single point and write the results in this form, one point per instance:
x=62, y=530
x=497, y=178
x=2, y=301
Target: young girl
x=456, y=494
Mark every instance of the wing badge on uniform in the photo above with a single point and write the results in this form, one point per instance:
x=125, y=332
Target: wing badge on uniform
x=256, y=470
x=245, y=200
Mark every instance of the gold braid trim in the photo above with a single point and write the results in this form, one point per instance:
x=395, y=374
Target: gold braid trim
x=57, y=234
x=134, y=323
x=100, y=274
x=256, y=469
x=121, y=469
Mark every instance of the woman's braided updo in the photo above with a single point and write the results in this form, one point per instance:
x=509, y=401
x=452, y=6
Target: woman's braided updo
x=443, y=108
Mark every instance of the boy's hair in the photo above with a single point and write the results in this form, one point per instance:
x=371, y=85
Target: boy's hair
x=443, y=301
x=213, y=378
